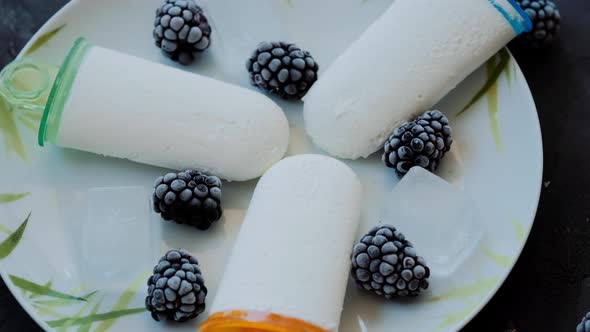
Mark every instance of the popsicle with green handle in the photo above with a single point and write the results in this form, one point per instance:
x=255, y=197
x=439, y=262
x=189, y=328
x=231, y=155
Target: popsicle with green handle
x=118, y=105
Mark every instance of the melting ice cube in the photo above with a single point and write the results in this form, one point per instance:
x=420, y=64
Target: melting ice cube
x=440, y=220
x=117, y=240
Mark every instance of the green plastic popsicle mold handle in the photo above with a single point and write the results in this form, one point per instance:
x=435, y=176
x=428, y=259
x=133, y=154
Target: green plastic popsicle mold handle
x=33, y=86
x=25, y=85
x=60, y=92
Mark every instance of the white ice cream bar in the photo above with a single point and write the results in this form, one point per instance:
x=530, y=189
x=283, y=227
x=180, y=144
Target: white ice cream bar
x=122, y=106
x=290, y=263
x=402, y=65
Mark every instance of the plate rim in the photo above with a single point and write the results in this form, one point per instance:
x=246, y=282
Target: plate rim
x=45, y=27
x=536, y=128
x=535, y=206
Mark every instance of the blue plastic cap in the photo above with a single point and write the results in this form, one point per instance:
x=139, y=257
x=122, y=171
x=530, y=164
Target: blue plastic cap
x=514, y=15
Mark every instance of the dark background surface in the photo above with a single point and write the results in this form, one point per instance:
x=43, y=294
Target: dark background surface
x=549, y=288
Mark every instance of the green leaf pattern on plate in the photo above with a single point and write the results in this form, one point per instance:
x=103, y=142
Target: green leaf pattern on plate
x=43, y=39
x=51, y=303
x=502, y=261
x=76, y=315
x=12, y=139
x=124, y=300
x=9, y=198
x=492, y=77
x=508, y=73
x=30, y=114
x=465, y=292
x=9, y=127
x=495, y=66
x=471, y=294
x=30, y=124
x=10, y=243
x=518, y=229
x=5, y=230
x=47, y=301
x=93, y=311
x=95, y=318
x=42, y=289
x=453, y=318
x=493, y=107
x=48, y=311
x=36, y=295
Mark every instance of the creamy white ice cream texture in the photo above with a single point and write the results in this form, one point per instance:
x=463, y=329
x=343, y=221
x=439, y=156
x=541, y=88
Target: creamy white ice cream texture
x=126, y=107
x=403, y=64
x=292, y=254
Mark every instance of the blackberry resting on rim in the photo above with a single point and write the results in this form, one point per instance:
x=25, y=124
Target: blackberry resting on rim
x=283, y=69
x=584, y=325
x=385, y=263
x=422, y=142
x=176, y=290
x=189, y=197
x=546, y=22
x=181, y=30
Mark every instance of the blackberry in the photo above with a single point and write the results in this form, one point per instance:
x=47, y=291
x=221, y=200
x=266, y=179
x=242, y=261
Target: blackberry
x=422, y=142
x=181, y=30
x=546, y=22
x=283, y=69
x=189, y=197
x=385, y=263
x=584, y=325
x=176, y=290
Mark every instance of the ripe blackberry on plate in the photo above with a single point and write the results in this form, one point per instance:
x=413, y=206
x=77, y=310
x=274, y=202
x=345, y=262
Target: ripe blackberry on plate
x=181, y=30
x=189, y=197
x=546, y=23
x=422, y=142
x=283, y=69
x=385, y=263
x=176, y=290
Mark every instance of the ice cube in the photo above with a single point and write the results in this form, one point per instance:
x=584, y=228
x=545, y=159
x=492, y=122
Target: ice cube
x=117, y=240
x=440, y=220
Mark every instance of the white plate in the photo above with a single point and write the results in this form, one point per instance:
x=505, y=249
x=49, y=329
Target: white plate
x=66, y=244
